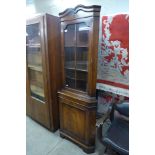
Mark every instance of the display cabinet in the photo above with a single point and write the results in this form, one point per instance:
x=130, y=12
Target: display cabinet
x=77, y=101
x=43, y=69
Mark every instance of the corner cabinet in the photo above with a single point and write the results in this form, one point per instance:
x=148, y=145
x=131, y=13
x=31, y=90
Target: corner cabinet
x=77, y=101
x=43, y=69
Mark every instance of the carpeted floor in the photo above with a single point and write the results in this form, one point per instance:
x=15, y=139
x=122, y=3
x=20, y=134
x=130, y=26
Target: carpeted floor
x=40, y=141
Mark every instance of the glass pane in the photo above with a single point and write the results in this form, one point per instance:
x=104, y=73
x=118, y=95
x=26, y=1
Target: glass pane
x=82, y=58
x=82, y=31
x=81, y=80
x=34, y=58
x=70, y=78
x=69, y=34
x=70, y=67
x=70, y=57
x=36, y=84
x=33, y=34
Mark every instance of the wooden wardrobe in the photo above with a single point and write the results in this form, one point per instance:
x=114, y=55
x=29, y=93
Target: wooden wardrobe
x=43, y=78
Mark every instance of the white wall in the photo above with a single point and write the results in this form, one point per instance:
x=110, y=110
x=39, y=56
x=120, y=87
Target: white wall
x=54, y=7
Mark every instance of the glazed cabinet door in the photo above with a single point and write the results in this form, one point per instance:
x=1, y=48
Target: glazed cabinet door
x=78, y=122
x=76, y=42
x=36, y=70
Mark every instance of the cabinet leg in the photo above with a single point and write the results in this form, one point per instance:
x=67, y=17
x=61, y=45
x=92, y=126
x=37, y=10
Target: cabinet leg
x=89, y=150
x=62, y=136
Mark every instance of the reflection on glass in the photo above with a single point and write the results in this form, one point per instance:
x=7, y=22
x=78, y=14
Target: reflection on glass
x=82, y=58
x=70, y=78
x=82, y=34
x=36, y=84
x=33, y=34
x=34, y=58
x=69, y=33
x=81, y=80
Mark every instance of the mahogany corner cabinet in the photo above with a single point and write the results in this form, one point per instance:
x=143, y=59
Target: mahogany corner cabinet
x=77, y=99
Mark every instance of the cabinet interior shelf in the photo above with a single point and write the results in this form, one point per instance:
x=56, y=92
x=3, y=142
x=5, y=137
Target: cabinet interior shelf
x=78, y=46
x=75, y=78
x=37, y=90
x=82, y=70
x=37, y=84
x=36, y=68
x=37, y=97
x=33, y=45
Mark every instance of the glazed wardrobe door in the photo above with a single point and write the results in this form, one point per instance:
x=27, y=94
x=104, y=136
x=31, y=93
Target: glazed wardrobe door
x=36, y=70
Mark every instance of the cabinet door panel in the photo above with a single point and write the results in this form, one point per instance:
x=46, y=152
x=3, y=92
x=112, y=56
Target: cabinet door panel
x=34, y=61
x=73, y=120
x=76, y=56
x=33, y=48
x=40, y=113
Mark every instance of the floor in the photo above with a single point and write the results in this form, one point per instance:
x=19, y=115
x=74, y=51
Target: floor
x=40, y=141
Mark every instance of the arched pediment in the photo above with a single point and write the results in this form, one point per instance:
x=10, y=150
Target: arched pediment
x=80, y=11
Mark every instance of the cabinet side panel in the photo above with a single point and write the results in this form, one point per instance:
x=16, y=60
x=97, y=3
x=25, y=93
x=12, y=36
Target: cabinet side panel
x=55, y=82
x=93, y=56
x=28, y=105
x=90, y=126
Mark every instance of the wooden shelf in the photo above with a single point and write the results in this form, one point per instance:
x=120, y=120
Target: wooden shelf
x=69, y=46
x=37, y=83
x=37, y=90
x=81, y=80
x=82, y=46
x=75, y=79
x=70, y=78
x=36, y=68
x=82, y=70
x=33, y=45
x=78, y=46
